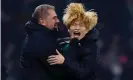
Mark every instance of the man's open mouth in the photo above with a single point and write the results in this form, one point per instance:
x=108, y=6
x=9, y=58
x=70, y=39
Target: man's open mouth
x=76, y=34
x=55, y=25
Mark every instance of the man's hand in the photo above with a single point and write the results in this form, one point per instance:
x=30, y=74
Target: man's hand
x=56, y=59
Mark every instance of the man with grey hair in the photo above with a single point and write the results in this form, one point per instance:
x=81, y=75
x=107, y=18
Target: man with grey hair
x=45, y=15
x=40, y=43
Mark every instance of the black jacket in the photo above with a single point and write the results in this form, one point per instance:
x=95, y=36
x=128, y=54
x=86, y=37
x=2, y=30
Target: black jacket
x=81, y=58
x=40, y=43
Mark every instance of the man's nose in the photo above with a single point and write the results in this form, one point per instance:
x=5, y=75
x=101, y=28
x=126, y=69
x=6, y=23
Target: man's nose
x=77, y=27
x=57, y=21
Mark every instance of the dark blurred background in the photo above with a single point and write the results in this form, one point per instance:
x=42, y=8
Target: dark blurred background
x=115, y=25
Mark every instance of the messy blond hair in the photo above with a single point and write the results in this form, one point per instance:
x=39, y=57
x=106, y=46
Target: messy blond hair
x=76, y=12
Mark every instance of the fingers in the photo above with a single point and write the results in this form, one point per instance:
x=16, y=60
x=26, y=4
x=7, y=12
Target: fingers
x=55, y=59
x=58, y=52
x=52, y=61
x=52, y=56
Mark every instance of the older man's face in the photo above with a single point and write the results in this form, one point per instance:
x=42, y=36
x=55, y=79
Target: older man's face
x=51, y=20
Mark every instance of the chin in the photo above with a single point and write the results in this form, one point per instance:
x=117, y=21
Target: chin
x=77, y=38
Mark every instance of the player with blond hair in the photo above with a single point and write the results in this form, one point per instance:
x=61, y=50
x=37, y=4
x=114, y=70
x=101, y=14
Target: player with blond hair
x=78, y=59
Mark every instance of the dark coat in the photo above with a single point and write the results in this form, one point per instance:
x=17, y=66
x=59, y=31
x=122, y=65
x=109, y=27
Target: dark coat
x=40, y=43
x=81, y=58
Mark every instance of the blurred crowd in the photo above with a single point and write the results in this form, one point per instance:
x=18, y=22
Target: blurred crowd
x=115, y=25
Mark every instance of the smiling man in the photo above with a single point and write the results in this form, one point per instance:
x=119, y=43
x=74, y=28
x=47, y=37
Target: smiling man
x=40, y=42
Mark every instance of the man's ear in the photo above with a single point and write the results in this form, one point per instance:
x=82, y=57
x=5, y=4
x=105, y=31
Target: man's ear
x=42, y=21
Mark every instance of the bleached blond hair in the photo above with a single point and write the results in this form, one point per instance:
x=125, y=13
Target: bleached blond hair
x=76, y=12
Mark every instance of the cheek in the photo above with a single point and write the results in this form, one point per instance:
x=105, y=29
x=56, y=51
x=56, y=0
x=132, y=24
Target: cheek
x=51, y=21
x=70, y=31
x=71, y=28
x=84, y=31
